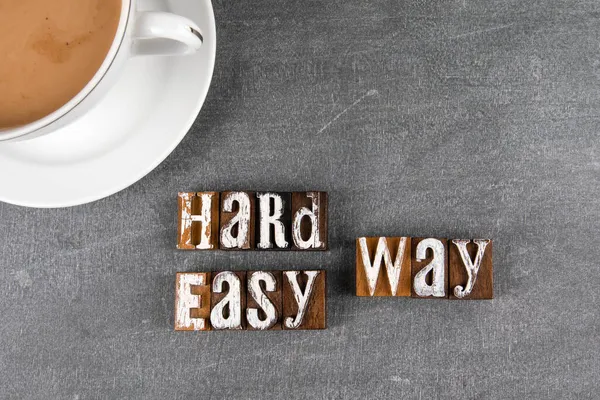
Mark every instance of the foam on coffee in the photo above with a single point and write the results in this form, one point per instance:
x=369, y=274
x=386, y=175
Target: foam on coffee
x=50, y=49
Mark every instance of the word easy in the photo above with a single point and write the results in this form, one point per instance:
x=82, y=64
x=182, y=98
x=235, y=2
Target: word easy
x=424, y=267
x=252, y=220
x=253, y=300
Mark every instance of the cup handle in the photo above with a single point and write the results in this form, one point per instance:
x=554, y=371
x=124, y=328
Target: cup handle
x=162, y=33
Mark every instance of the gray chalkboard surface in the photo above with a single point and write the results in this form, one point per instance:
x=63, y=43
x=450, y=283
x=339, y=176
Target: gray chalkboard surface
x=445, y=118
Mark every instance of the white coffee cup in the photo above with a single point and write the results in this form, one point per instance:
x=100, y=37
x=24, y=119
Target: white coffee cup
x=146, y=33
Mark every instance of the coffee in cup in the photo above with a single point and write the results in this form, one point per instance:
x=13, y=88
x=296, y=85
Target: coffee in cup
x=51, y=49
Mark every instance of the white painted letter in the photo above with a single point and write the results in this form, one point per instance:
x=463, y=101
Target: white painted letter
x=471, y=267
x=262, y=300
x=437, y=287
x=232, y=301
x=301, y=298
x=186, y=300
x=382, y=252
x=205, y=219
x=267, y=219
x=314, y=214
x=242, y=219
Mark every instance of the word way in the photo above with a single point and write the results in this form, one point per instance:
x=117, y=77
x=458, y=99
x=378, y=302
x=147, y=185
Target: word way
x=253, y=300
x=424, y=267
x=252, y=220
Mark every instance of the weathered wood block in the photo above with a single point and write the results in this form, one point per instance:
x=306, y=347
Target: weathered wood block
x=309, y=221
x=429, y=267
x=198, y=220
x=237, y=220
x=304, y=299
x=471, y=269
x=185, y=201
x=228, y=301
x=264, y=301
x=274, y=221
x=383, y=266
x=192, y=301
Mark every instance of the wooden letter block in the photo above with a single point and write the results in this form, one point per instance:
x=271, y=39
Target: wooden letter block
x=228, y=301
x=304, y=303
x=371, y=278
x=264, y=304
x=192, y=301
x=471, y=269
x=429, y=267
x=309, y=220
x=274, y=221
x=198, y=221
x=184, y=219
x=237, y=220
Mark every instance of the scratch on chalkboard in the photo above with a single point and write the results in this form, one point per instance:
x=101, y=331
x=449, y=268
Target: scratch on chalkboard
x=493, y=28
x=372, y=92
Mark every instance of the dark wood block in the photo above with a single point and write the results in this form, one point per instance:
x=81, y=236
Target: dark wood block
x=192, y=301
x=432, y=282
x=198, y=221
x=312, y=314
x=237, y=220
x=471, y=269
x=274, y=221
x=228, y=300
x=309, y=221
x=381, y=261
x=264, y=300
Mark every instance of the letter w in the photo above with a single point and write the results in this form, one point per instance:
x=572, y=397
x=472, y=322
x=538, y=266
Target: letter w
x=382, y=252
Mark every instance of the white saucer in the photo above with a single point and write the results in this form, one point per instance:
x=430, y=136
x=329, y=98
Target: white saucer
x=135, y=127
